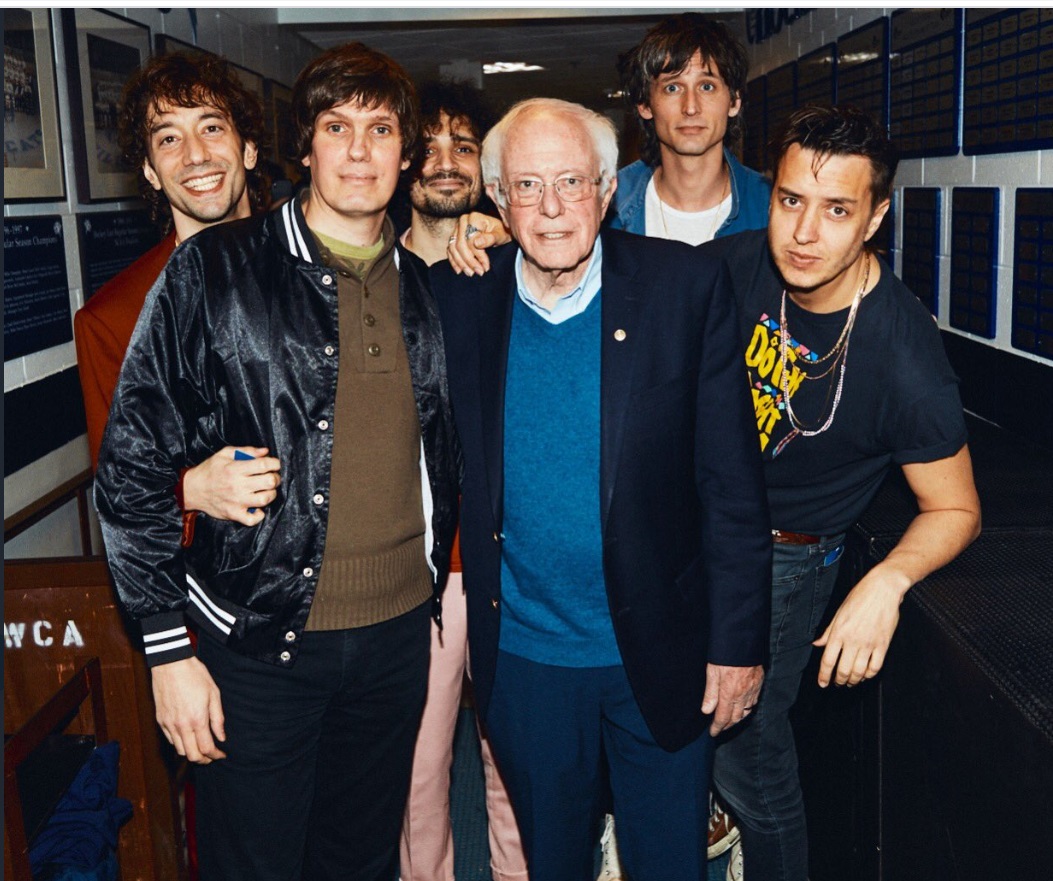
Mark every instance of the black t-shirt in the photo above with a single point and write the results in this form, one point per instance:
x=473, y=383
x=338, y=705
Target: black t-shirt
x=899, y=403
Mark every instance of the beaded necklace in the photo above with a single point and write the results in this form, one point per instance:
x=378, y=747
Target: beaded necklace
x=839, y=353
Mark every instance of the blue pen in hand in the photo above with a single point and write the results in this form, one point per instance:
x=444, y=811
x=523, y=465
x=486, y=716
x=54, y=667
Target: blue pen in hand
x=240, y=456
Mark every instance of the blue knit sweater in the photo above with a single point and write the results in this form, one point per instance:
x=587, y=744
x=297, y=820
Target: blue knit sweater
x=554, y=601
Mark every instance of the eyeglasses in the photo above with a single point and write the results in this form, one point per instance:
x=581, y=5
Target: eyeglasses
x=527, y=191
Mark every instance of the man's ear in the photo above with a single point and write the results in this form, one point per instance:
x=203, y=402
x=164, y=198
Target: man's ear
x=491, y=191
x=250, y=155
x=645, y=111
x=736, y=106
x=876, y=218
x=609, y=195
x=151, y=175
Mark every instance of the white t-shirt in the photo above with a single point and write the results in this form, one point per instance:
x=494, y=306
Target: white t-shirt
x=693, y=227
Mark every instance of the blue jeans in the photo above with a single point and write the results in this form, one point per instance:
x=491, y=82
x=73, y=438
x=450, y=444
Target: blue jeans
x=755, y=768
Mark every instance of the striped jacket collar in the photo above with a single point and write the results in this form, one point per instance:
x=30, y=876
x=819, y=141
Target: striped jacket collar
x=296, y=235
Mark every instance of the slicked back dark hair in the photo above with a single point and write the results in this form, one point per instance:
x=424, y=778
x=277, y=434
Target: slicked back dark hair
x=354, y=72
x=667, y=48
x=840, y=130
x=179, y=79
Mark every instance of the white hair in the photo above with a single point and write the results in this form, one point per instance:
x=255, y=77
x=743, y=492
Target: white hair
x=600, y=129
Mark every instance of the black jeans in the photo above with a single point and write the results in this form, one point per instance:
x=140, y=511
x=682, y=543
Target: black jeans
x=318, y=756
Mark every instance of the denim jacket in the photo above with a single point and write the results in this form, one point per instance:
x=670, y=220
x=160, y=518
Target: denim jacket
x=750, y=193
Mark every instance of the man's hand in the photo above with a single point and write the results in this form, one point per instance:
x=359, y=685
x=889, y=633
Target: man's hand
x=855, y=642
x=226, y=488
x=189, y=710
x=467, y=253
x=731, y=694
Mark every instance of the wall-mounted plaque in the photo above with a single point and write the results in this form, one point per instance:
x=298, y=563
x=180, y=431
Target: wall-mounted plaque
x=974, y=254
x=921, y=244
x=862, y=69
x=36, y=290
x=925, y=72
x=110, y=241
x=816, y=76
x=1033, y=272
x=1008, y=80
x=782, y=95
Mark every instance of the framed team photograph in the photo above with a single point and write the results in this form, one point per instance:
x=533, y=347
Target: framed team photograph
x=103, y=51
x=32, y=144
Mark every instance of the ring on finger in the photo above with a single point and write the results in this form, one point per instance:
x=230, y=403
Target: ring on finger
x=470, y=231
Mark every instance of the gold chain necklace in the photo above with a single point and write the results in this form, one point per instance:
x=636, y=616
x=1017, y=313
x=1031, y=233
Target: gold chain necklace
x=841, y=357
x=716, y=208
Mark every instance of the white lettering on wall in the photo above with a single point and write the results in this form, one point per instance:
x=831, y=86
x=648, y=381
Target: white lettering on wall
x=15, y=634
x=38, y=633
x=72, y=636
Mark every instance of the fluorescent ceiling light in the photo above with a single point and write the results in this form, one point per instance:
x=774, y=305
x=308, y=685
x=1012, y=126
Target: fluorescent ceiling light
x=510, y=67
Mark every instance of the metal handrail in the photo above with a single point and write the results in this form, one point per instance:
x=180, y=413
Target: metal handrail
x=75, y=488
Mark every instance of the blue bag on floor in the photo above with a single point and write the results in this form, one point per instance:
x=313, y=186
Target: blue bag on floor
x=81, y=833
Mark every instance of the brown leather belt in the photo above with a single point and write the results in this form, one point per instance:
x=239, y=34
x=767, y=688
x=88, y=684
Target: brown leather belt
x=780, y=536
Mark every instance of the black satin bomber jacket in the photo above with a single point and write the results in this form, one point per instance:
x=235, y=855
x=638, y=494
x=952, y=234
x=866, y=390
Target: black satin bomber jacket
x=237, y=343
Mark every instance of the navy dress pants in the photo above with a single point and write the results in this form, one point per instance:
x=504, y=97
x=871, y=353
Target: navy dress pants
x=318, y=756
x=551, y=729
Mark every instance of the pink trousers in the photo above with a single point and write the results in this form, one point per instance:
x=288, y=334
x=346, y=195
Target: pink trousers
x=426, y=852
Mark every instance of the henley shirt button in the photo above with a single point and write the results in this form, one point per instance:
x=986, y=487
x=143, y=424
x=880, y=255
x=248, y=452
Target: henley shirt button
x=323, y=424
x=329, y=350
x=285, y=657
x=619, y=335
x=369, y=320
x=327, y=279
x=290, y=636
x=318, y=499
x=308, y=572
x=374, y=350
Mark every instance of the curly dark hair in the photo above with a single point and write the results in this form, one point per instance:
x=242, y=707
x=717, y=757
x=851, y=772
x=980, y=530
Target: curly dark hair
x=180, y=79
x=840, y=130
x=459, y=101
x=354, y=72
x=668, y=48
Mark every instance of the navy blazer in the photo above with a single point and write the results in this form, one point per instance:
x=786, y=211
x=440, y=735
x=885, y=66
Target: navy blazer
x=686, y=533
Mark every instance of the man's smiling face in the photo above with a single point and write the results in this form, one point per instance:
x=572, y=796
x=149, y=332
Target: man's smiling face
x=198, y=159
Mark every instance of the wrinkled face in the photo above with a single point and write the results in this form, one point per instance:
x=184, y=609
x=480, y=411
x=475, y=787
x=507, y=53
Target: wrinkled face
x=197, y=158
x=451, y=177
x=355, y=160
x=819, y=219
x=690, y=108
x=556, y=236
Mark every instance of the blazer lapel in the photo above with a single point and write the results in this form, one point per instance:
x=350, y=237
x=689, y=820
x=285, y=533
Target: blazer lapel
x=495, y=327
x=620, y=303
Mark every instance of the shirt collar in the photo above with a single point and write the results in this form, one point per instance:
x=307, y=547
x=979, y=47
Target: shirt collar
x=573, y=303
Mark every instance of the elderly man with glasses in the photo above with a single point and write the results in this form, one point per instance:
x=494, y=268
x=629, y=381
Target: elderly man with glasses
x=615, y=534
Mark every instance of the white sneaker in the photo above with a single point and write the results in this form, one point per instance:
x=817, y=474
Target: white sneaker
x=735, y=863
x=611, y=865
x=722, y=832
